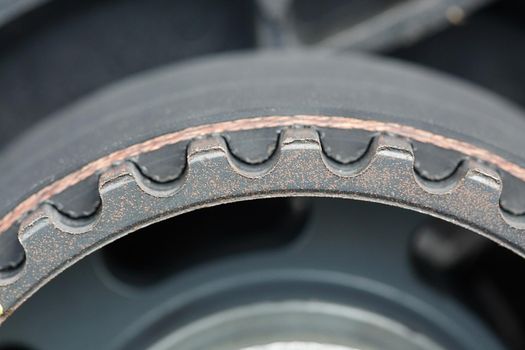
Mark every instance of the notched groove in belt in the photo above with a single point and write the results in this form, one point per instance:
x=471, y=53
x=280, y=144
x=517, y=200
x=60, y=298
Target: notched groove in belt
x=213, y=175
x=256, y=123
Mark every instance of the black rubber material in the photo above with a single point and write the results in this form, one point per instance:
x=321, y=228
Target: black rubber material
x=246, y=85
x=345, y=146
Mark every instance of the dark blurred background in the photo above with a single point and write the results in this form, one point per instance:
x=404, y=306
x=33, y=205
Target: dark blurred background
x=54, y=52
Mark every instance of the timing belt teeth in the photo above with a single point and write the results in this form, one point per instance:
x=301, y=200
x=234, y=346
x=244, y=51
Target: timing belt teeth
x=513, y=195
x=434, y=163
x=253, y=146
x=345, y=146
x=213, y=175
x=165, y=164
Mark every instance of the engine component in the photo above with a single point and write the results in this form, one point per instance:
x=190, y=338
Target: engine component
x=210, y=109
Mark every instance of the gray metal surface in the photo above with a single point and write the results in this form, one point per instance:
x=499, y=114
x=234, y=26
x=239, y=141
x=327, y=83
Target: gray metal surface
x=298, y=346
x=330, y=261
x=294, y=325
